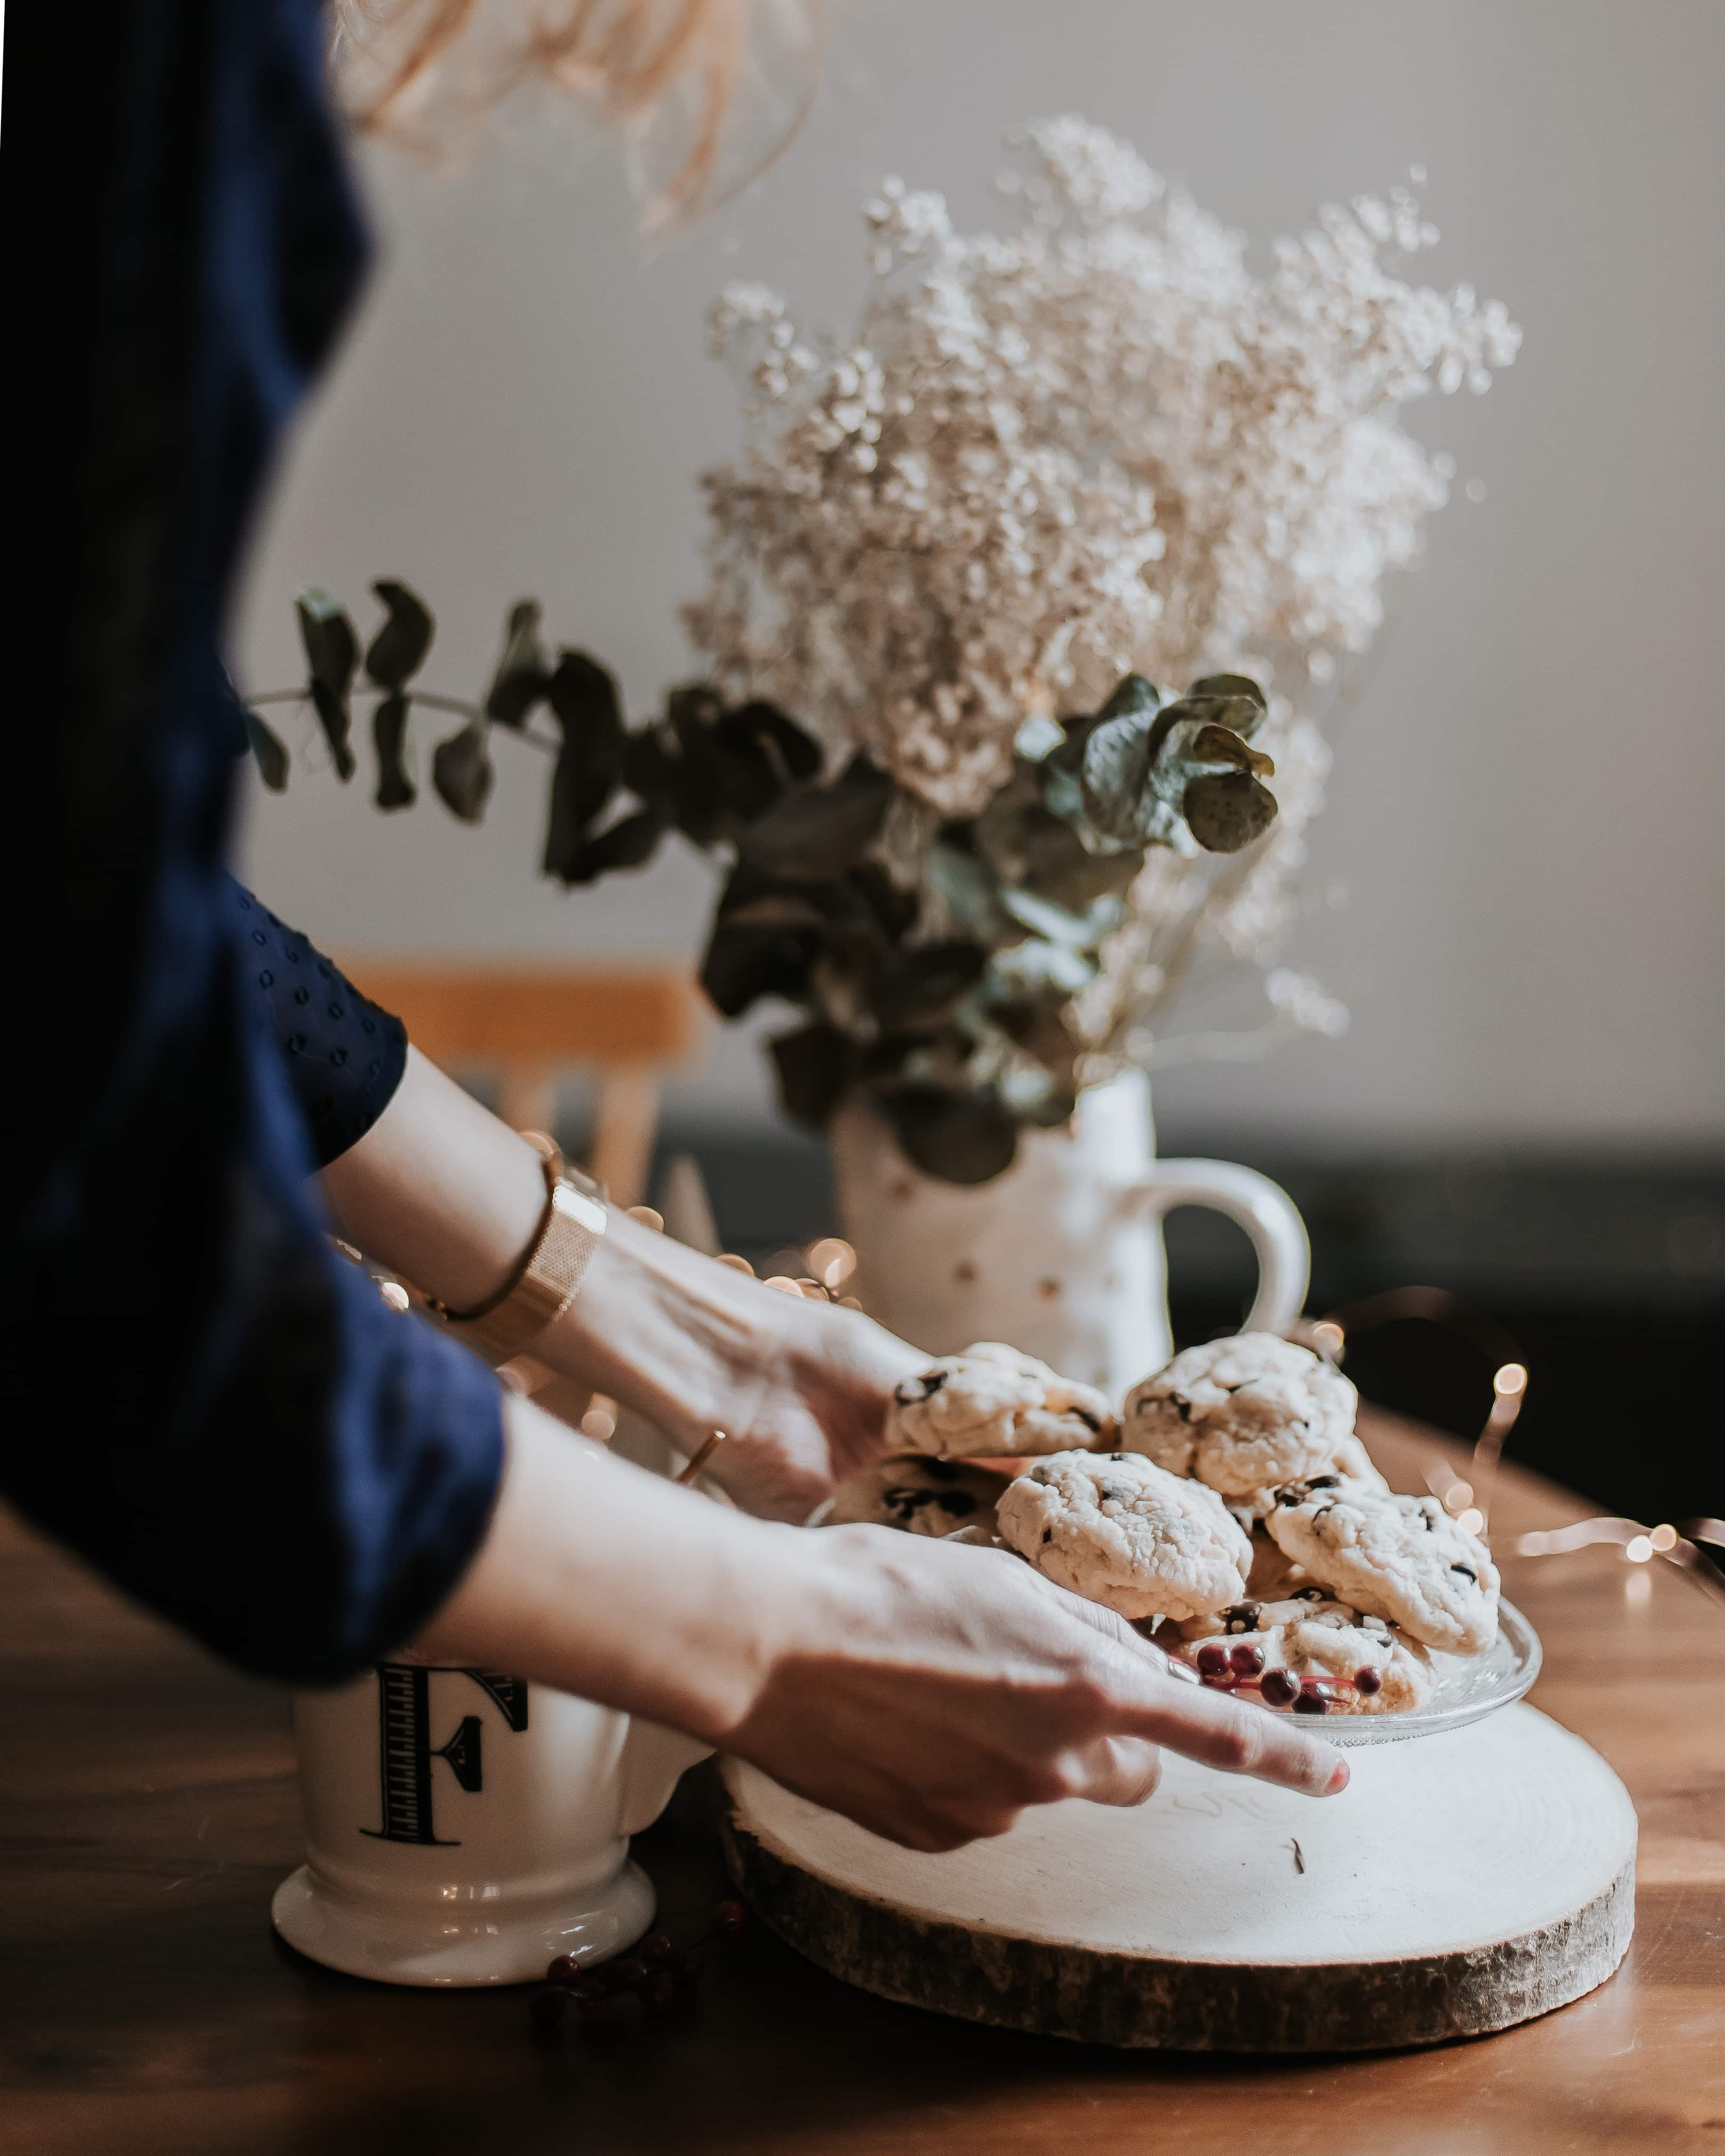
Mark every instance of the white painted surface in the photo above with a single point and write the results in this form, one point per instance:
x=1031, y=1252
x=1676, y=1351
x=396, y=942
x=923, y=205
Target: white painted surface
x=1456, y=1841
x=1525, y=810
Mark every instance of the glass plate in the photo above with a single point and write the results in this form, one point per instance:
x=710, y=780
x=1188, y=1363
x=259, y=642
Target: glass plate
x=1468, y=1688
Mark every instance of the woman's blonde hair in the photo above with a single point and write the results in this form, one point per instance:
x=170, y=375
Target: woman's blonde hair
x=417, y=67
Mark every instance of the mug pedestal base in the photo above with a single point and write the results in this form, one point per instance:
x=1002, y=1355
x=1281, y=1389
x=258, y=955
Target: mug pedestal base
x=394, y=1943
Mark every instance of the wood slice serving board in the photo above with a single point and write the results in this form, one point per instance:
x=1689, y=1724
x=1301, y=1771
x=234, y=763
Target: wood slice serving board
x=1459, y=1884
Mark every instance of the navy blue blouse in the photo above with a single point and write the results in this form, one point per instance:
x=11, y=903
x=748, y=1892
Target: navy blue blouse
x=195, y=1392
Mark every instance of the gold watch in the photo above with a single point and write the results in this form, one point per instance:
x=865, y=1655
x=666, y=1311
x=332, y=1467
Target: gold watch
x=549, y=1276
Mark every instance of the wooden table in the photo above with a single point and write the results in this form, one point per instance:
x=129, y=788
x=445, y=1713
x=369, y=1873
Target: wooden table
x=145, y=2006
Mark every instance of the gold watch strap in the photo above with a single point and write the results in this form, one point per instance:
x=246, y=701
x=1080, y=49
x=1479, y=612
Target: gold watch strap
x=549, y=1276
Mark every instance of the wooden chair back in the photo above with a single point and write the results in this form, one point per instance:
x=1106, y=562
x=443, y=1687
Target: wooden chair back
x=529, y=1024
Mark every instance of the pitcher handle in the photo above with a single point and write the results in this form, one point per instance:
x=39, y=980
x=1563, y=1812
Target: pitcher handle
x=1262, y=1207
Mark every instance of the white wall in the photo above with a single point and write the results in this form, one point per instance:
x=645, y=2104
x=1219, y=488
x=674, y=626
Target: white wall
x=1527, y=808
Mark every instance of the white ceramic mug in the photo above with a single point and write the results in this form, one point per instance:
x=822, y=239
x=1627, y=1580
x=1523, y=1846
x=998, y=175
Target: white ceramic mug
x=462, y=1826
x=1062, y=1255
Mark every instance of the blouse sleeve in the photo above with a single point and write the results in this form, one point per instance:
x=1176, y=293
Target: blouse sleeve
x=343, y=1054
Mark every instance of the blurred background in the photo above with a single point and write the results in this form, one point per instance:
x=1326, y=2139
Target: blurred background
x=1518, y=886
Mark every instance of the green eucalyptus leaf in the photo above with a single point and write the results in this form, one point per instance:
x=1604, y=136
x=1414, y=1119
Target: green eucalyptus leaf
x=1239, y=713
x=1133, y=697
x=523, y=678
x=268, y=749
x=1037, y=966
x=397, y=651
x=589, y=766
x=964, y=1137
x=389, y=736
x=969, y=888
x=1227, y=809
x=337, y=723
x=824, y=830
x=461, y=771
x=814, y=1068
x=627, y=843
x=331, y=648
x=1043, y=917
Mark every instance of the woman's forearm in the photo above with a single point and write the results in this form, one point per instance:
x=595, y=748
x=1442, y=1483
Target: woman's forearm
x=446, y=1194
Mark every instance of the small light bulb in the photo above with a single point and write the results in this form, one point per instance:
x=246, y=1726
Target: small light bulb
x=737, y=1265
x=647, y=1217
x=1664, y=1538
x=1472, y=1521
x=832, y=1261
x=1511, y=1379
x=785, y=1284
x=1458, y=1497
x=1327, y=1338
x=1638, y=1548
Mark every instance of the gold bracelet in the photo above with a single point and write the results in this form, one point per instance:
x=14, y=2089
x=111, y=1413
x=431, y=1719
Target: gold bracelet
x=549, y=1276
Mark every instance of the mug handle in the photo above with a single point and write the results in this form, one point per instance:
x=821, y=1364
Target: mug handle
x=1262, y=1207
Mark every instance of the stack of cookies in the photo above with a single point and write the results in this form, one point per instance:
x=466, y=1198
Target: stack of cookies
x=1230, y=1508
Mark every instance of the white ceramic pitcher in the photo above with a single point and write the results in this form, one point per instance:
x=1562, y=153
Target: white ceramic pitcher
x=1062, y=1255
x=462, y=1826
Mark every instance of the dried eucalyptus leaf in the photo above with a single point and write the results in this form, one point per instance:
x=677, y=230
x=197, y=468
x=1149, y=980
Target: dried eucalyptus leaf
x=523, y=678
x=331, y=648
x=1219, y=744
x=1233, y=686
x=589, y=766
x=334, y=717
x=397, y=651
x=389, y=736
x=627, y=843
x=798, y=752
x=1239, y=713
x=651, y=766
x=824, y=830
x=814, y=1066
x=1227, y=809
x=744, y=962
x=1132, y=696
x=461, y=771
x=925, y=981
x=965, y=1137
x=268, y=751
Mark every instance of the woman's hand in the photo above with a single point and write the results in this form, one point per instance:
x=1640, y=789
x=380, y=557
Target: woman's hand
x=933, y=1691
x=928, y=1691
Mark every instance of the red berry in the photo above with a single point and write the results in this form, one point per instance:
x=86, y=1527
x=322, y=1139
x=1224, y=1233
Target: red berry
x=545, y=2008
x=660, y=1995
x=1247, y=1661
x=1368, y=1680
x=1278, y=1688
x=655, y=1947
x=1311, y=1701
x=562, y=1968
x=731, y=1917
x=1212, y=1659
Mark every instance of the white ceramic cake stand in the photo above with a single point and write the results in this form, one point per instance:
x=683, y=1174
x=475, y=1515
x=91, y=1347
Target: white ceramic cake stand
x=1459, y=1884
